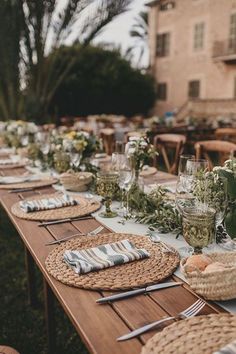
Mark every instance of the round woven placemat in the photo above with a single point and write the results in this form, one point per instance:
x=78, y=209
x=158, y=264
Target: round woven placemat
x=84, y=207
x=197, y=335
x=140, y=273
x=33, y=184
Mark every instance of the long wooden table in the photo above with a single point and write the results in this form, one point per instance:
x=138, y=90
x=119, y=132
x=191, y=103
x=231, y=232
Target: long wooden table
x=97, y=325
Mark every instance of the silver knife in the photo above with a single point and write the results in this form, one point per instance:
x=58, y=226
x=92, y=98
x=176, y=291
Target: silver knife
x=137, y=292
x=61, y=221
x=21, y=190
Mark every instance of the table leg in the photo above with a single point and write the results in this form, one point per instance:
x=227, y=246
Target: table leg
x=32, y=292
x=49, y=317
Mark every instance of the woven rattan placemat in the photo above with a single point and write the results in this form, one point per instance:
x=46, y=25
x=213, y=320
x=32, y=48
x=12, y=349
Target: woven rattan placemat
x=197, y=335
x=30, y=184
x=84, y=207
x=147, y=271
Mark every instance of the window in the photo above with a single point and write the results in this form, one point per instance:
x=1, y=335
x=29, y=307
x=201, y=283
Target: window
x=232, y=33
x=198, y=40
x=168, y=5
x=163, y=45
x=162, y=91
x=194, y=89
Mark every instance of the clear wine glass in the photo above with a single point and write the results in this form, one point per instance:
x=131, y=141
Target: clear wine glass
x=75, y=160
x=185, y=198
x=125, y=182
x=183, y=162
x=24, y=140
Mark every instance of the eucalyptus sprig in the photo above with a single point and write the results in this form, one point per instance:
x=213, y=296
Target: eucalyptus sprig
x=155, y=209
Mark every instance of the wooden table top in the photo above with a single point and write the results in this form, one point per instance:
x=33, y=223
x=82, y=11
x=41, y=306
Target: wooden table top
x=98, y=325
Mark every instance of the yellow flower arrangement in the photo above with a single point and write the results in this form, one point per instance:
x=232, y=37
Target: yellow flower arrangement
x=71, y=135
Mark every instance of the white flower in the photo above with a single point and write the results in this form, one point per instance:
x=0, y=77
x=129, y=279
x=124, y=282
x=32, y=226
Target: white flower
x=133, y=138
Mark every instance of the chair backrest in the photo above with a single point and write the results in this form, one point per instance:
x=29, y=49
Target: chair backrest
x=133, y=134
x=227, y=134
x=170, y=144
x=108, y=137
x=224, y=149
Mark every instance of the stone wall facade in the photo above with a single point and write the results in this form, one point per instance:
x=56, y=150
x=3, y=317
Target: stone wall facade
x=212, y=65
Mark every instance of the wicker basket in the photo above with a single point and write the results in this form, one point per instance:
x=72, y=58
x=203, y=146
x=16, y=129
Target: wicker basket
x=76, y=181
x=216, y=285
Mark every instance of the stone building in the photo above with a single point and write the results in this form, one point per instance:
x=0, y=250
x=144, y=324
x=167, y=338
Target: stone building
x=193, y=54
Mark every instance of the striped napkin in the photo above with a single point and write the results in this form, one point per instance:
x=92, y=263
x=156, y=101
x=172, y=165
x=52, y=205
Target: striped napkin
x=228, y=349
x=47, y=203
x=103, y=256
x=18, y=179
x=6, y=162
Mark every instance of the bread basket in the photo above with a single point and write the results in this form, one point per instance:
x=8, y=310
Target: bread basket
x=215, y=285
x=76, y=181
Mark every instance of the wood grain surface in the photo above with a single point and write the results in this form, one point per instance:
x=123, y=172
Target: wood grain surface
x=98, y=325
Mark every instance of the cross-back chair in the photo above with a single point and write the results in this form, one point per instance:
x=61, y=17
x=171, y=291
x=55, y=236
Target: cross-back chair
x=108, y=137
x=227, y=134
x=224, y=149
x=170, y=145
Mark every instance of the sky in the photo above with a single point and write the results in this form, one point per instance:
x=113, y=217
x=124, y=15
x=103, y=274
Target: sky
x=118, y=30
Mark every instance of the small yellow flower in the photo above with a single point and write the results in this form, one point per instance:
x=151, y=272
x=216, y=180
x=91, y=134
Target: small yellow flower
x=80, y=145
x=71, y=135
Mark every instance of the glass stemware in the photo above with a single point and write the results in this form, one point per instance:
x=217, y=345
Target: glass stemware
x=75, y=160
x=190, y=170
x=107, y=185
x=125, y=182
x=198, y=228
x=183, y=162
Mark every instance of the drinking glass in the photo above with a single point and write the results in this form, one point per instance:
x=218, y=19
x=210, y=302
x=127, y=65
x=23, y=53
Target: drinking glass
x=183, y=162
x=196, y=166
x=119, y=147
x=125, y=182
x=107, y=186
x=198, y=228
x=75, y=160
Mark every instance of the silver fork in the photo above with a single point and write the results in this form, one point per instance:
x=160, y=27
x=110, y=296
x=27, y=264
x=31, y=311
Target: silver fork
x=91, y=233
x=156, y=239
x=189, y=312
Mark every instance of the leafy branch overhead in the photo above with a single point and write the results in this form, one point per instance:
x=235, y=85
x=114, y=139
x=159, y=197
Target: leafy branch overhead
x=45, y=25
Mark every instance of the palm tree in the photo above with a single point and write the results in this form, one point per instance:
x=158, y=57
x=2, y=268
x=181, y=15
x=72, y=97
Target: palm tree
x=139, y=32
x=44, y=26
x=10, y=32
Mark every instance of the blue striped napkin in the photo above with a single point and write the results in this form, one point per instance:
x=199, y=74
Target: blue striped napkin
x=228, y=349
x=103, y=256
x=47, y=203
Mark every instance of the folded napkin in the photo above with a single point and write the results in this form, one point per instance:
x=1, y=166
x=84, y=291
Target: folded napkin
x=18, y=179
x=228, y=349
x=103, y=256
x=47, y=203
x=6, y=162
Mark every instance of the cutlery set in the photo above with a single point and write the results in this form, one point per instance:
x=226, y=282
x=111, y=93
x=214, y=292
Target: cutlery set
x=191, y=311
x=91, y=233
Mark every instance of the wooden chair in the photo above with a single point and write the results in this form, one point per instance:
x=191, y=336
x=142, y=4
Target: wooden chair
x=108, y=137
x=170, y=144
x=7, y=350
x=133, y=134
x=224, y=149
x=226, y=134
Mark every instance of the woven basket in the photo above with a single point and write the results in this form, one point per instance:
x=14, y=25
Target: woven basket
x=76, y=181
x=216, y=285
